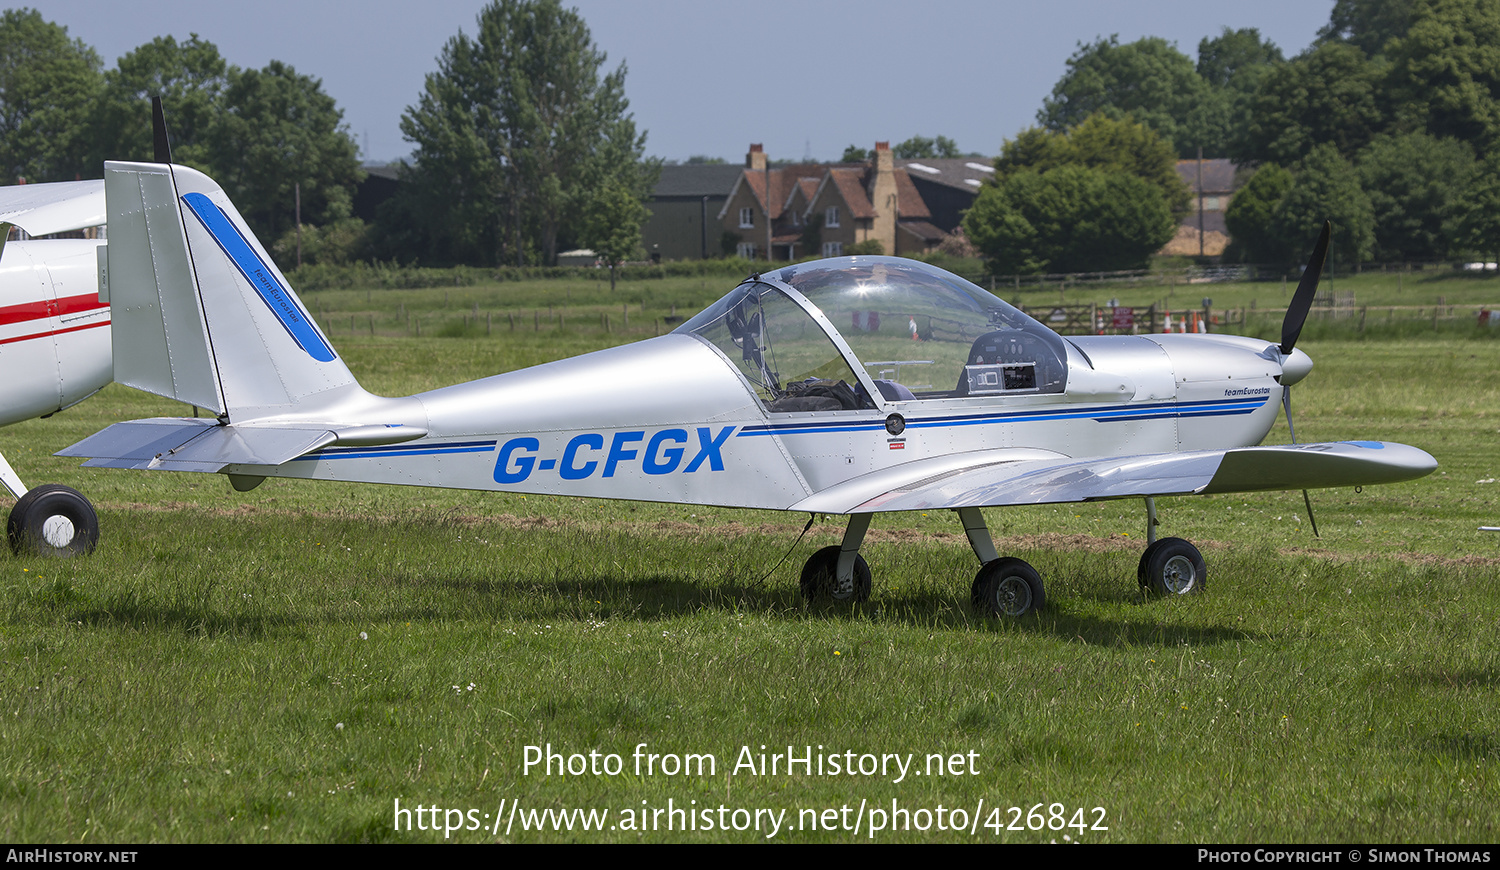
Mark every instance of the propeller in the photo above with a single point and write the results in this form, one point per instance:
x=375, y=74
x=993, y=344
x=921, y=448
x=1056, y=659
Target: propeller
x=1293, y=368
x=159, y=132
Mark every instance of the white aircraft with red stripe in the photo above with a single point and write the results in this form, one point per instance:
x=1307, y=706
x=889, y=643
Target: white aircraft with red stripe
x=54, y=344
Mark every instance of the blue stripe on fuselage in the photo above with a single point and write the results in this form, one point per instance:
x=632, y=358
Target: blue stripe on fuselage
x=1100, y=413
x=399, y=450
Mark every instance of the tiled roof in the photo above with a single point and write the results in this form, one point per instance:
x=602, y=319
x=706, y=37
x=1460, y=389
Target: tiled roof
x=908, y=202
x=850, y=184
x=696, y=180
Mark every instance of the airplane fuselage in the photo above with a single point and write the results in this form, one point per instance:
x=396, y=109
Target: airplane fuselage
x=671, y=420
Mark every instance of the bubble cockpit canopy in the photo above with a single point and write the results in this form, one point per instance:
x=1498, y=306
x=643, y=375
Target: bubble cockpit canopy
x=916, y=331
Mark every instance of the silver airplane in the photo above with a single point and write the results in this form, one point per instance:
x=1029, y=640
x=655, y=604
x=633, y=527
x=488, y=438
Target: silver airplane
x=849, y=386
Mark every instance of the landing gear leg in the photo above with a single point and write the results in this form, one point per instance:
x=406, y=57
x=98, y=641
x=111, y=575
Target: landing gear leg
x=48, y=520
x=1003, y=587
x=840, y=572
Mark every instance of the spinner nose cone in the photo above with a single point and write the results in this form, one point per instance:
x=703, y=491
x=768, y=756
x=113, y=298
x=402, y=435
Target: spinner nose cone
x=1294, y=367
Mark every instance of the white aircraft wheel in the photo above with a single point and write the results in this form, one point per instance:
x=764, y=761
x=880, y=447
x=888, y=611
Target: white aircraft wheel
x=53, y=520
x=1008, y=587
x=819, y=577
x=1172, y=566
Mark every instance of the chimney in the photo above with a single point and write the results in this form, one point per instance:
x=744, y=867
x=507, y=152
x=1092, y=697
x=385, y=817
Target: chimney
x=756, y=159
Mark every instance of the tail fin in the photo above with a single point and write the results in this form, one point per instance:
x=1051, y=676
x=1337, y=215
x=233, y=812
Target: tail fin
x=201, y=313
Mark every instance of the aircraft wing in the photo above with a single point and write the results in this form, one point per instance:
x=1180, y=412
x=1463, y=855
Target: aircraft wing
x=43, y=209
x=993, y=478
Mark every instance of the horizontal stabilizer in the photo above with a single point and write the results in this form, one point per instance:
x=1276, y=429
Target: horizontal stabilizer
x=1050, y=481
x=186, y=445
x=173, y=444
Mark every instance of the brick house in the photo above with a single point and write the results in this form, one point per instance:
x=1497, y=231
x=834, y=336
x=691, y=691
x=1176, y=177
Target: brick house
x=804, y=210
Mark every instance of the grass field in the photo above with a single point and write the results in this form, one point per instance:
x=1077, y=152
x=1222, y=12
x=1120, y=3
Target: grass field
x=299, y=662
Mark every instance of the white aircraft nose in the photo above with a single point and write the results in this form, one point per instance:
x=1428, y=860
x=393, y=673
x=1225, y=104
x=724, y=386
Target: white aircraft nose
x=1295, y=367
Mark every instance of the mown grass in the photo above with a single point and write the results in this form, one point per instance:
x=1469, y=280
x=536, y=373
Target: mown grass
x=285, y=664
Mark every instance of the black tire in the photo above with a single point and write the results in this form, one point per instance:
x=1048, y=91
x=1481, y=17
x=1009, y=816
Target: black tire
x=53, y=520
x=1140, y=569
x=1008, y=587
x=1173, y=567
x=818, y=578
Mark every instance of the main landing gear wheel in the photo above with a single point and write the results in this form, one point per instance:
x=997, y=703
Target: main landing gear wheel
x=820, y=580
x=1008, y=587
x=53, y=520
x=1171, y=567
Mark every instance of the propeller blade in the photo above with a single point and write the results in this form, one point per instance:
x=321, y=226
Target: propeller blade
x=159, y=132
x=1296, y=313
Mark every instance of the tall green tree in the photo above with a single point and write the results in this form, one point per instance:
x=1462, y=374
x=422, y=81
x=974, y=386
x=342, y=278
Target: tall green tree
x=1445, y=71
x=190, y=77
x=1070, y=218
x=1277, y=216
x=519, y=125
x=277, y=131
x=48, y=84
x=1148, y=80
x=1416, y=184
x=1368, y=25
x=1479, y=218
x=1100, y=142
x=1332, y=93
x=1254, y=218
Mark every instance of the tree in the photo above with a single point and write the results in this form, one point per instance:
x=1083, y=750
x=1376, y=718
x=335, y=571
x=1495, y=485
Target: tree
x=47, y=85
x=1071, y=218
x=1148, y=80
x=1368, y=25
x=1416, y=184
x=1236, y=60
x=520, y=132
x=1100, y=142
x=277, y=131
x=613, y=227
x=1331, y=93
x=1445, y=74
x=919, y=147
x=855, y=154
x=1479, y=212
x=1254, y=217
x=190, y=77
x=1278, y=214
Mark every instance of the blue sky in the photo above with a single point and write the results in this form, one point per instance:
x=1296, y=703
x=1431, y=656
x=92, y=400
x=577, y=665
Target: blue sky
x=709, y=77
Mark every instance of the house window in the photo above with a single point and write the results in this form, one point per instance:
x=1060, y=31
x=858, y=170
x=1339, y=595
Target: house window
x=831, y=217
x=745, y=251
x=747, y=218
x=833, y=249
x=1211, y=203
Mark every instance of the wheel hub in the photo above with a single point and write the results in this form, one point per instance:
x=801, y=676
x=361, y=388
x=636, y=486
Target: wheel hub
x=58, y=531
x=1179, y=575
x=1014, y=595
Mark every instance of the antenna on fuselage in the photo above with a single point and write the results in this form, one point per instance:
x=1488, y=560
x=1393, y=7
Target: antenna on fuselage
x=163, y=150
